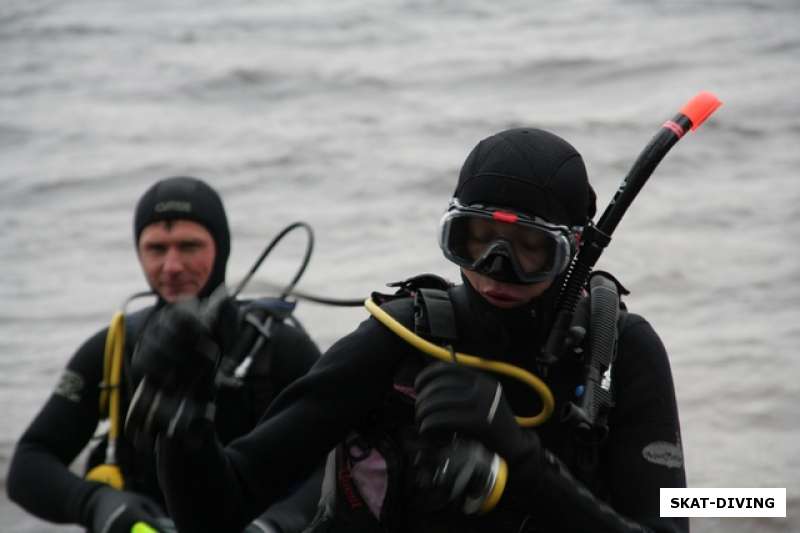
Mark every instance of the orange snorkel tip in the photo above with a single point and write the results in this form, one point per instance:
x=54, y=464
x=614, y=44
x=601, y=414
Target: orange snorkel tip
x=699, y=108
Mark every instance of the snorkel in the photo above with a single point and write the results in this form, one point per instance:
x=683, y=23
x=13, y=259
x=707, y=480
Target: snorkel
x=596, y=237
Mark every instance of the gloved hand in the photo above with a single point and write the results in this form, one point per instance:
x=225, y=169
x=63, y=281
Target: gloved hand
x=177, y=347
x=176, y=358
x=454, y=398
x=115, y=511
x=461, y=475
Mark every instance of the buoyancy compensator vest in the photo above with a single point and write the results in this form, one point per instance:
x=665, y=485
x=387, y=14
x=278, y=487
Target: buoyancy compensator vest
x=368, y=484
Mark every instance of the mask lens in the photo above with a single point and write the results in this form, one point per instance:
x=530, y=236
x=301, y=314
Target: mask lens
x=472, y=240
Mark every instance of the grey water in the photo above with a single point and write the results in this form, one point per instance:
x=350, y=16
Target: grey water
x=355, y=116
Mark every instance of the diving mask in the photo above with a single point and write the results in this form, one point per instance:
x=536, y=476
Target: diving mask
x=504, y=245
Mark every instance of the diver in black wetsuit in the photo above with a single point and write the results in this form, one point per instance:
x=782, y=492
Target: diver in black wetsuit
x=183, y=242
x=412, y=436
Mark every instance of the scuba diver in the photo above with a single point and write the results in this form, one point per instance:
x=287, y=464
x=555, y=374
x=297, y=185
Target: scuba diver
x=439, y=446
x=182, y=242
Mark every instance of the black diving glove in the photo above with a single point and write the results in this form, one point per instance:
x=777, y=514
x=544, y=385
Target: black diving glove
x=461, y=475
x=454, y=398
x=176, y=358
x=115, y=511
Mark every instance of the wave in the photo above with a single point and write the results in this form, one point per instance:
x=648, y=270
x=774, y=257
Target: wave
x=273, y=84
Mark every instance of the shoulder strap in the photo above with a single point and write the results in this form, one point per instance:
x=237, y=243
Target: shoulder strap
x=253, y=336
x=589, y=413
x=434, y=317
x=409, y=287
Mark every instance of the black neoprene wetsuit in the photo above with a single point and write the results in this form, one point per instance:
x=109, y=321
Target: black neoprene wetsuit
x=348, y=389
x=39, y=478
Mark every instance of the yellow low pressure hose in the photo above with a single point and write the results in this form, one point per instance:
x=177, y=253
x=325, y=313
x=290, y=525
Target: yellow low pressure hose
x=110, y=472
x=115, y=343
x=498, y=367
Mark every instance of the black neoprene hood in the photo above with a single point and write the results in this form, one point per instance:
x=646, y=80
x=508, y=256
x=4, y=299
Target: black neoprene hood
x=187, y=198
x=528, y=170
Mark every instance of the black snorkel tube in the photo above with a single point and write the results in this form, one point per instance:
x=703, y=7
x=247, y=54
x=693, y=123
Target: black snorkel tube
x=597, y=236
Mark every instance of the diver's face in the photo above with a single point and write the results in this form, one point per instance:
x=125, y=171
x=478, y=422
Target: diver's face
x=505, y=295
x=177, y=258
